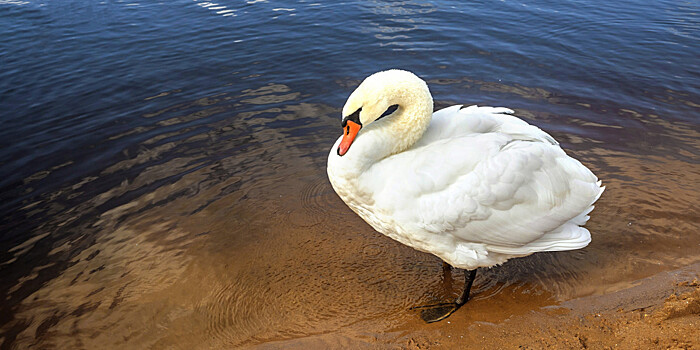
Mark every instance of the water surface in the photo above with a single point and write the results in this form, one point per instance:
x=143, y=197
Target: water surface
x=163, y=163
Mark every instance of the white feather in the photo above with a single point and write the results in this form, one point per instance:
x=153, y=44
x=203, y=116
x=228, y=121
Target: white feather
x=479, y=187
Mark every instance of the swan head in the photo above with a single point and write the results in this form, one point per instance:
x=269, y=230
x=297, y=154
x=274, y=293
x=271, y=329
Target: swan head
x=395, y=100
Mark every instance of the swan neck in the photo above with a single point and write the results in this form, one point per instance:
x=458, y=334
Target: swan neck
x=412, y=124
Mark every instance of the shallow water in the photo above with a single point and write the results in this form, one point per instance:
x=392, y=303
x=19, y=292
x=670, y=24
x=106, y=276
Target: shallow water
x=163, y=164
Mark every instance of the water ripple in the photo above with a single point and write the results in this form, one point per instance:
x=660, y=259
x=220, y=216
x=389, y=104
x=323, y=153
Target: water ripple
x=163, y=166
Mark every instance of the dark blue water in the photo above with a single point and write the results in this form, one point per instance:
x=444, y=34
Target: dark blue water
x=118, y=113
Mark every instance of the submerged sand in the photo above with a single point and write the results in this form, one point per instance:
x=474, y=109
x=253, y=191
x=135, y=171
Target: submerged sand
x=255, y=250
x=660, y=312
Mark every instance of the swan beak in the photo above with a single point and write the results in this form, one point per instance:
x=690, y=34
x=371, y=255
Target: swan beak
x=350, y=132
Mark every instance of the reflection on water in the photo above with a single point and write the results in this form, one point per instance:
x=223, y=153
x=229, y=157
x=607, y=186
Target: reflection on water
x=180, y=200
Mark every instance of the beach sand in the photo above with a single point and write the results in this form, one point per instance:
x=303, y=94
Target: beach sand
x=660, y=312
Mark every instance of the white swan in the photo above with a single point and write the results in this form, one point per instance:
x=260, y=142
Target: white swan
x=475, y=186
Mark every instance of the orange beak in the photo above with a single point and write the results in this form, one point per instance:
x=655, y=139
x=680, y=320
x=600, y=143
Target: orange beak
x=350, y=132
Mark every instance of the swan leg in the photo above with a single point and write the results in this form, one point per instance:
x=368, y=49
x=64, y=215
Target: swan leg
x=468, y=281
x=438, y=312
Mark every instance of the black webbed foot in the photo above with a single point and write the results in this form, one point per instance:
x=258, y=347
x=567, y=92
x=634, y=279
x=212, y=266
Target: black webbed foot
x=437, y=312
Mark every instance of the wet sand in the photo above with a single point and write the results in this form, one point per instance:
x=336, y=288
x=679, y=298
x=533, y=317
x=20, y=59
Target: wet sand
x=660, y=312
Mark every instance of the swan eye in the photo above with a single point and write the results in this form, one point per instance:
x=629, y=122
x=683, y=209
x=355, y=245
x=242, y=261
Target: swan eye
x=388, y=111
x=355, y=117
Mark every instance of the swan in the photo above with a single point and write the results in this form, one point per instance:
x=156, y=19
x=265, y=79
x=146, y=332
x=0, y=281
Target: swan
x=474, y=186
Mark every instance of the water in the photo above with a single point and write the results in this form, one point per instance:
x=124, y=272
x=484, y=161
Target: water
x=163, y=163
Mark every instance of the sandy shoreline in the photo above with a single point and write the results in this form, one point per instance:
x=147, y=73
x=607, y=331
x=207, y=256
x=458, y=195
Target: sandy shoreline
x=662, y=312
x=659, y=312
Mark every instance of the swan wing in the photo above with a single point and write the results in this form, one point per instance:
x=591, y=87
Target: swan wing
x=501, y=183
x=457, y=121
